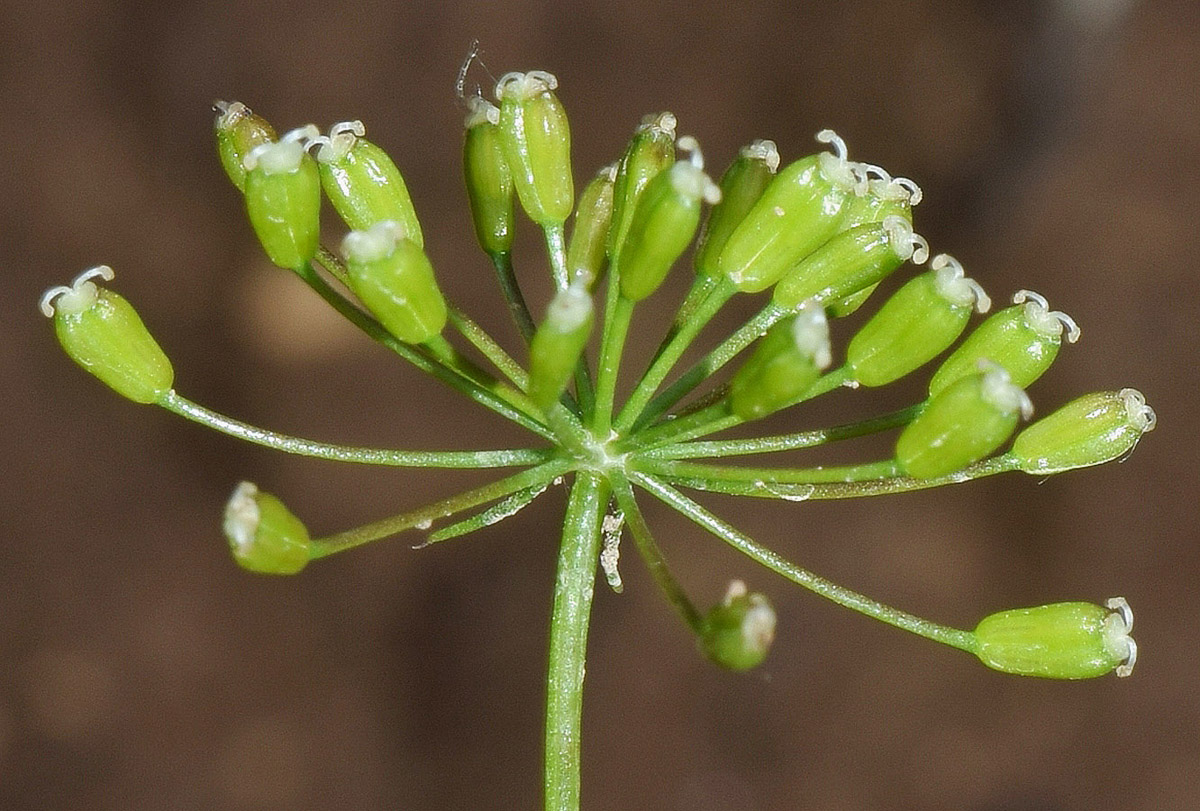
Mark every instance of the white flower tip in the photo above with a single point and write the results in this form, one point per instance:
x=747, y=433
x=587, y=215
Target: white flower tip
x=1117, y=628
x=76, y=298
x=958, y=289
x=341, y=139
x=521, y=86
x=570, y=307
x=1139, y=413
x=1047, y=322
x=228, y=113
x=664, y=122
x=373, y=244
x=764, y=150
x=242, y=516
x=810, y=331
x=1000, y=391
x=284, y=155
x=905, y=243
x=688, y=174
x=480, y=111
x=836, y=168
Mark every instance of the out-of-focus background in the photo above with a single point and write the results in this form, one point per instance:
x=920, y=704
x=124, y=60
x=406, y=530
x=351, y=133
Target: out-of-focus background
x=1059, y=149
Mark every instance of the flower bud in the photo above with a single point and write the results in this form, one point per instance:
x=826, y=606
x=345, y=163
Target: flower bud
x=238, y=131
x=537, y=143
x=1023, y=339
x=589, y=237
x=283, y=198
x=558, y=343
x=362, y=182
x=664, y=222
x=916, y=324
x=787, y=361
x=102, y=333
x=851, y=261
x=737, y=633
x=650, y=151
x=489, y=181
x=741, y=186
x=264, y=536
x=962, y=424
x=1060, y=640
x=394, y=279
x=1090, y=430
x=800, y=209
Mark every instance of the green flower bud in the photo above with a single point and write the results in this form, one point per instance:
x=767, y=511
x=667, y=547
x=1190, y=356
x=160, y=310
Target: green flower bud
x=962, y=424
x=1060, y=640
x=394, y=279
x=589, y=237
x=1090, y=430
x=238, y=131
x=785, y=364
x=537, y=143
x=741, y=186
x=263, y=534
x=1023, y=339
x=916, y=324
x=283, y=198
x=650, y=151
x=489, y=181
x=362, y=182
x=738, y=632
x=102, y=333
x=883, y=196
x=800, y=209
x=558, y=343
x=664, y=222
x=850, y=261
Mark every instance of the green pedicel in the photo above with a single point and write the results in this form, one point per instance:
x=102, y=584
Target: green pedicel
x=558, y=344
x=264, y=536
x=283, y=198
x=489, y=181
x=238, y=130
x=800, y=209
x=537, y=144
x=787, y=361
x=1089, y=430
x=393, y=277
x=102, y=332
x=1023, y=339
x=737, y=633
x=362, y=182
x=916, y=324
x=664, y=222
x=1060, y=641
x=962, y=424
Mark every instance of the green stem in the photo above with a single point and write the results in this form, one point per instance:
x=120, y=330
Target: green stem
x=502, y=263
x=557, y=250
x=577, y=560
x=784, y=442
x=329, y=260
x=651, y=555
x=487, y=346
x=422, y=360
x=670, y=354
x=963, y=640
x=184, y=407
x=710, y=363
x=870, y=471
x=423, y=517
x=802, y=490
x=616, y=329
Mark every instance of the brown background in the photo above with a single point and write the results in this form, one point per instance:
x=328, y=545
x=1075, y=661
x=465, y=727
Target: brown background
x=1058, y=147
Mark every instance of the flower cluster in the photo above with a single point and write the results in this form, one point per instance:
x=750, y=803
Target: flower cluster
x=813, y=239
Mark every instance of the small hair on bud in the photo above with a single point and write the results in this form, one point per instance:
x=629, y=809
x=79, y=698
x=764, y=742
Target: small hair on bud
x=78, y=296
x=1041, y=318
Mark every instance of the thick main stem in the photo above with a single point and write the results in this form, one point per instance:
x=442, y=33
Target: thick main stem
x=577, y=560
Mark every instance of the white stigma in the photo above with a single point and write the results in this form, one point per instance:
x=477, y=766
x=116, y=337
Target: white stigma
x=1117, y=628
x=339, y=142
x=1043, y=320
x=523, y=86
x=764, y=150
x=76, y=298
x=906, y=243
x=688, y=177
x=282, y=156
x=955, y=287
x=810, y=331
x=1140, y=415
x=999, y=390
x=373, y=244
x=242, y=516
